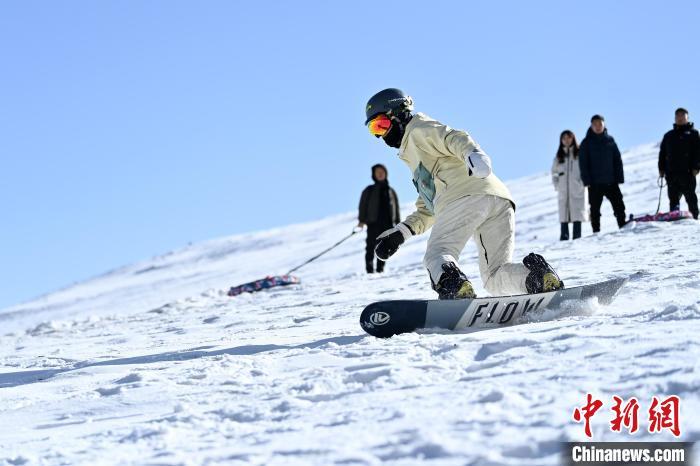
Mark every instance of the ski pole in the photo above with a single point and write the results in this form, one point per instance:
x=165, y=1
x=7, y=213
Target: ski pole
x=660, y=183
x=354, y=232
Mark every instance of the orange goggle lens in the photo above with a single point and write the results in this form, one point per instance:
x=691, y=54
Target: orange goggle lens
x=379, y=125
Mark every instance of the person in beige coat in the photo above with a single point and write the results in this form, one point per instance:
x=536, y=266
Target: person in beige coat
x=459, y=197
x=566, y=177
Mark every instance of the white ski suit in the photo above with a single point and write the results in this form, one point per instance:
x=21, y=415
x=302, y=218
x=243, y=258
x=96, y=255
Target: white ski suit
x=573, y=199
x=460, y=197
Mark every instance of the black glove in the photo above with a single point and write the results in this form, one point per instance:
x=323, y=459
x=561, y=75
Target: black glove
x=390, y=240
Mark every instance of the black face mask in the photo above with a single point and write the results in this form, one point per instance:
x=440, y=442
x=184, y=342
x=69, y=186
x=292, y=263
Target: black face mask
x=395, y=134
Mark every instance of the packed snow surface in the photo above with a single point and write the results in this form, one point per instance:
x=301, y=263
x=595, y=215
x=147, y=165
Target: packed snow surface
x=154, y=364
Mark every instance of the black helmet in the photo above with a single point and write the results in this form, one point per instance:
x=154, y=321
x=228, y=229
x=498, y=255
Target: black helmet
x=390, y=101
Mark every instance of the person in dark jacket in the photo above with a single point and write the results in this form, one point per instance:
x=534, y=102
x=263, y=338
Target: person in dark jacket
x=679, y=162
x=379, y=210
x=601, y=171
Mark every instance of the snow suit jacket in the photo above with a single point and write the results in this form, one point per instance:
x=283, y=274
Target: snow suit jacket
x=566, y=177
x=600, y=160
x=371, y=207
x=436, y=153
x=679, y=154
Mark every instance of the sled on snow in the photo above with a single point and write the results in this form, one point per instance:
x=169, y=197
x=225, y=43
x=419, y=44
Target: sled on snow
x=662, y=216
x=263, y=284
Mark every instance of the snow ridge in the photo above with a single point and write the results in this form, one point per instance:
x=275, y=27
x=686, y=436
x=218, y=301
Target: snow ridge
x=153, y=363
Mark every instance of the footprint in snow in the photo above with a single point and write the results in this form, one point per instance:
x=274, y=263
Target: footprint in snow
x=364, y=367
x=109, y=391
x=367, y=377
x=491, y=397
x=489, y=349
x=299, y=320
x=131, y=378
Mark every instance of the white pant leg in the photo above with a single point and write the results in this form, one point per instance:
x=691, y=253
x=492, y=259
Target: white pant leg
x=495, y=239
x=454, y=225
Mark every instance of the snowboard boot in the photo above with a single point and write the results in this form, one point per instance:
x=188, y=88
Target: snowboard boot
x=453, y=284
x=542, y=277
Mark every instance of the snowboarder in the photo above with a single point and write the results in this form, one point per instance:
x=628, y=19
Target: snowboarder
x=459, y=197
x=602, y=172
x=379, y=210
x=566, y=177
x=679, y=162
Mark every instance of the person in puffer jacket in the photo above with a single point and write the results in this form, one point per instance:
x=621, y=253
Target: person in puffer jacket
x=679, y=162
x=602, y=172
x=566, y=177
x=459, y=197
x=378, y=210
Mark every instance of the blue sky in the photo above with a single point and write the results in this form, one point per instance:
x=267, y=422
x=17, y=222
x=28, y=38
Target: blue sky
x=131, y=128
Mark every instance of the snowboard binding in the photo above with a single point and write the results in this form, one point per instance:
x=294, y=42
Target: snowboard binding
x=453, y=284
x=542, y=277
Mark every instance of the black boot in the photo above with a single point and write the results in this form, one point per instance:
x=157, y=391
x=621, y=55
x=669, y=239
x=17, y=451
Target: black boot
x=380, y=266
x=369, y=267
x=453, y=284
x=564, y=232
x=577, y=230
x=542, y=276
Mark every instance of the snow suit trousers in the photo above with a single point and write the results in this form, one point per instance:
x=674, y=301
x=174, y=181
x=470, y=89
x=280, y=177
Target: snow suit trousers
x=491, y=221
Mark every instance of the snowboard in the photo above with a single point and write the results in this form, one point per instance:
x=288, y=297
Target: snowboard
x=387, y=318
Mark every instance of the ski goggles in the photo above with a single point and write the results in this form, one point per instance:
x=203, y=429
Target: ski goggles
x=379, y=125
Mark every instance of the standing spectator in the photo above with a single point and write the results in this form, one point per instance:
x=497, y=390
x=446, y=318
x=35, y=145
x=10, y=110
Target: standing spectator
x=379, y=210
x=566, y=176
x=679, y=162
x=601, y=171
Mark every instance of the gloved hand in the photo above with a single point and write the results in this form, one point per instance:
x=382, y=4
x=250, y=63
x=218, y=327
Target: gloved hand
x=478, y=163
x=390, y=240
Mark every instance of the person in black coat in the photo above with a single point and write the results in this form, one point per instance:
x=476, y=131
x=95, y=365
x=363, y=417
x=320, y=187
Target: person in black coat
x=679, y=162
x=601, y=171
x=379, y=210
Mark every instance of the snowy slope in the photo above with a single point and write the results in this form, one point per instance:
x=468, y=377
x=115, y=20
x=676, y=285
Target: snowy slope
x=153, y=364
